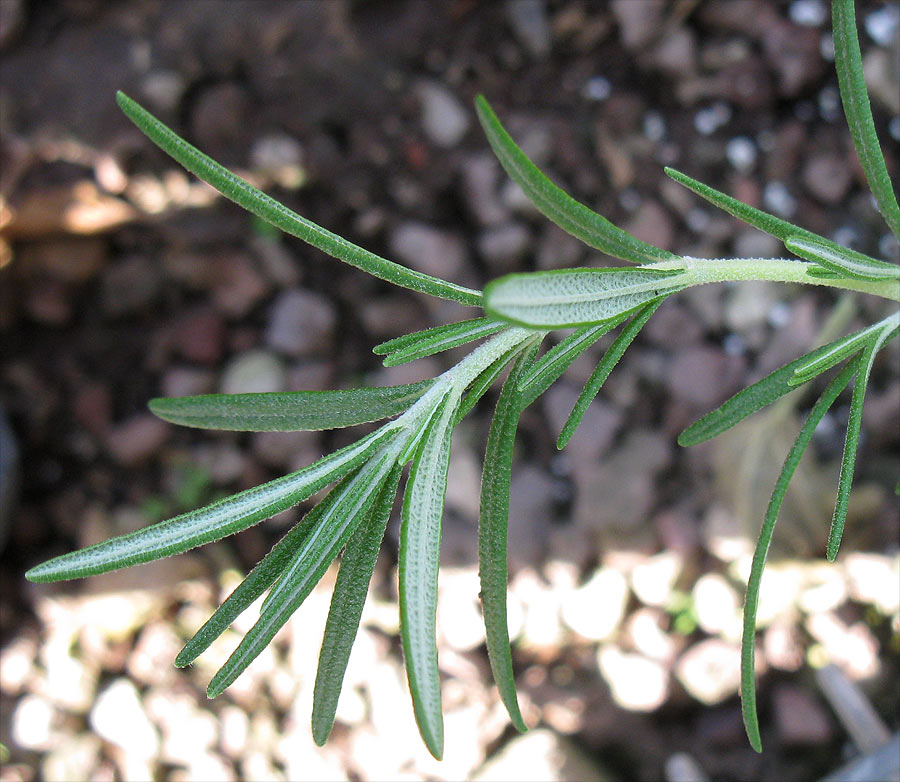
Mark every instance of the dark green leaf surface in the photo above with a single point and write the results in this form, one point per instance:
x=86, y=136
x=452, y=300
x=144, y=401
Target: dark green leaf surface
x=350, y=589
x=267, y=208
x=753, y=398
x=289, y=411
x=852, y=84
x=563, y=298
x=838, y=351
x=420, y=547
x=345, y=508
x=557, y=205
x=493, y=529
x=847, y=263
x=431, y=341
x=751, y=602
x=599, y=375
x=266, y=573
x=486, y=378
x=851, y=441
x=210, y=523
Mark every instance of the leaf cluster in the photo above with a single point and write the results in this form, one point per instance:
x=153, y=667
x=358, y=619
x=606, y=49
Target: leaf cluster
x=350, y=521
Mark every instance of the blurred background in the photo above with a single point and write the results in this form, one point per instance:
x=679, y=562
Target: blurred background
x=122, y=278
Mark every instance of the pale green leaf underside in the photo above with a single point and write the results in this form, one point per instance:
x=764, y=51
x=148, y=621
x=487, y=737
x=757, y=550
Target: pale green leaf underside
x=557, y=205
x=210, y=523
x=289, y=411
x=267, y=208
x=420, y=545
x=577, y=297
x=346, y=506
x=852, y=84
x=848, y=263
x=436, y=340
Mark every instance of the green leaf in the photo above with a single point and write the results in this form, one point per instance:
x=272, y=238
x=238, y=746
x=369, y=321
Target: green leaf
x=215, y=521
x=350, y=589
x=435, y=340
x=851, y=440
x=840, y=349
x=557, y=205
x=493, y=524
x=485, y=379
x=753, y=398
x=538, y=377
x=344, y=510
x=751, y=602
x=599, y=375
x=577, y=297
x=852, y=84
x=847, y=263
x=289, y=411
x=764, y=221
x=267, y=208
x=266, y=573
x=420, y=547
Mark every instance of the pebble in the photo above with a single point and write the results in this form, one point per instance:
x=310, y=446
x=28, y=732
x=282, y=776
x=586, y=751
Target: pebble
x=279, y=156
x=503, y=246
x=301, y=323
x=199, y=336
x=881, y=25
x=163, y=89
x=557, y=249
x=528, y=19
x=596, y=608
x=799, y=717
x=808, y=13
x=33, y=723
x=638, y=22
x=119, y=718
x=676, y=53
x=710, y=670
x=637, y=683
x=793, y=51
x=874, y=578
x=704, y=376
x=253, y=371
x=540, y=755
x=460, y=623
x=130, y=285
x=428, y=249
x=717, y=606
x=284, y=450
x=220, y=116
x=682, y=767
x=652, y=224
x=76, y=259
x=827, y=177
x=136, y=439
x=480, y=186
x=237, y=285
x=444, y=118
x=654, y=579
x=187, y=381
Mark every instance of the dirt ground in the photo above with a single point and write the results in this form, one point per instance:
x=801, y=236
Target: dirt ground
x=122, y=279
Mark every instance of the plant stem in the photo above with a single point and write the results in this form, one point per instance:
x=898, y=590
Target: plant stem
x=703, y=270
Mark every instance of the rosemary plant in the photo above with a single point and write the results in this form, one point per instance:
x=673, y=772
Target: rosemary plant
x=520, y=310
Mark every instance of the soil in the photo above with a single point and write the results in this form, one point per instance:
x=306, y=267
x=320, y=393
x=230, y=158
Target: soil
x=121, y=279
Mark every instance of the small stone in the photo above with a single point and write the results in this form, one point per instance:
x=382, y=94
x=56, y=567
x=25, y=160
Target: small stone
x=710, y=670
x=75, y=259
x=596, y=608
x=163, y=89
x=638, y=22
x=200, y=336
x=540, y=756
x=636, y=682
x=136, y=439
x=428, y=249
x=119, y=718
x=827, y=177
x=254, y=371
x=654, y=579
x=874, y=579
x=282, y=450
x=882, y=25
x=652, y=224
x=676, y=53
x=794, y=53
x=187, y=381
x=281, y=157
x=220, y=117
x=799, y=718
x=237, y=285
x=528, y=19
x=480, y=185
x=717, y=605
x=460, y=622
x=301, y=323
x=33, y=723
x=130, y=286
x=644, y=629
x=703, y=376
x=503, y=246
x=444, y=119
x=73, y=757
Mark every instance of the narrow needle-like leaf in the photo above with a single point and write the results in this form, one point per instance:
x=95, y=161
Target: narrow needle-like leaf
x=598, y=377
x=848, y=263
x=430, y=341
x=541, y=374
x=751, y=602
x=346, y=508
x=266, y=572
x=851, y=440
x=493, y=528
x=486, y=378
x=557, y=205
x=420, y=544
x=357, y=565
x=577, y=297
x=267, y=208
x=289, y=411
x=852, y=84
x=212, y=522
